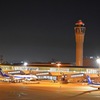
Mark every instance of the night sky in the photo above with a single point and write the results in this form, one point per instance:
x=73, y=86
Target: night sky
x=40, y=31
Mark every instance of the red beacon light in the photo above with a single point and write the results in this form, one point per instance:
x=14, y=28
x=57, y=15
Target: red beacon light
x=79, y=22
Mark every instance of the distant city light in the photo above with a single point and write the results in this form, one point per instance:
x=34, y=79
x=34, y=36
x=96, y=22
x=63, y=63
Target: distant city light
x=91, y=57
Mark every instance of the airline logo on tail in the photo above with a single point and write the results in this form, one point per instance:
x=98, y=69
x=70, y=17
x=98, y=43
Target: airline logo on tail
x=3, y=74
x=89, y=80
x=93, y=84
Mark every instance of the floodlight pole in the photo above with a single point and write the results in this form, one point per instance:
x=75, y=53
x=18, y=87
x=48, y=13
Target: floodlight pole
x=98, y=61
x=58, y=65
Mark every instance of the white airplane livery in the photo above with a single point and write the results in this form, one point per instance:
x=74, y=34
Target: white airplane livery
x=18, y=78
x=93, y=84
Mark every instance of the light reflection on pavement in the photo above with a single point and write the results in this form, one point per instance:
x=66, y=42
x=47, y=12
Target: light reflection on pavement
x=47, y=91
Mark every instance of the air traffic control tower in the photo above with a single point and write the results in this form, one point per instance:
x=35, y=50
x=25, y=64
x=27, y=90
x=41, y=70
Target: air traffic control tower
x=79, y=37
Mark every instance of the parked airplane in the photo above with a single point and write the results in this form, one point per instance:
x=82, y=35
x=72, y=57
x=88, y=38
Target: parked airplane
x=17, y=78
x=93, y=84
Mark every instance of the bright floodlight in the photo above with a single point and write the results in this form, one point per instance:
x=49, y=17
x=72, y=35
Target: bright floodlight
x=98, y=60
x=25, y=63
x=58, y=64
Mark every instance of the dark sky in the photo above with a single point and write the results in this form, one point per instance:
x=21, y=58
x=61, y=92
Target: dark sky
x=39, y=31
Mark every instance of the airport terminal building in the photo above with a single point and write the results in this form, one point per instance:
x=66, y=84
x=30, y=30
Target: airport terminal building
x=51, y=71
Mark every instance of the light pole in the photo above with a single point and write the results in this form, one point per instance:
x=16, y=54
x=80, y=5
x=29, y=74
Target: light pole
x=98, y=61
x=58, y=65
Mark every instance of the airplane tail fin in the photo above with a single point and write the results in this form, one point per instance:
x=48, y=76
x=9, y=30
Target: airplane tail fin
x=3, y=74
x=89, y=80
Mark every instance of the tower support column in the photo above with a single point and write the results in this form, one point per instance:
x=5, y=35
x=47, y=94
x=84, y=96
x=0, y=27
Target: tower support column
x=79, y=37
